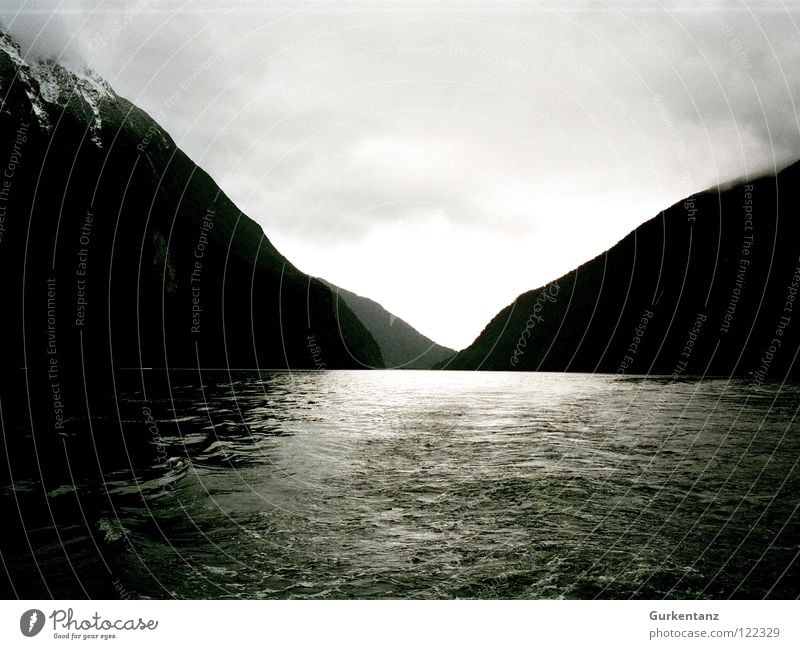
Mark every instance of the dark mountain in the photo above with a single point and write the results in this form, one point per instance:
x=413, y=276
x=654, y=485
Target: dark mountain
x=118, y=251
x=401, y=345
x=706, y=287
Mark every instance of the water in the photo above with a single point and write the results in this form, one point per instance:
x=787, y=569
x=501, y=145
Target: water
x=433, y=485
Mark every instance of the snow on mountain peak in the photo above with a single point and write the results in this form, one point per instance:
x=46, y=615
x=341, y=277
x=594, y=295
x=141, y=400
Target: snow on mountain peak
x=81, y=93
x=9, y=46
x=61, y=87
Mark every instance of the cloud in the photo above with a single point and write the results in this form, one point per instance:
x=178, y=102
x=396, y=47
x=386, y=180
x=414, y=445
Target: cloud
x=44, y=30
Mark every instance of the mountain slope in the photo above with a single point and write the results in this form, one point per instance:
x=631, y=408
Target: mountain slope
x=118, y=251
x=706, y=287
x=401, y=345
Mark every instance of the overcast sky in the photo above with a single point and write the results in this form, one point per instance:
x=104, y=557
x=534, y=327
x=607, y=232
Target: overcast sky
x=442, y=158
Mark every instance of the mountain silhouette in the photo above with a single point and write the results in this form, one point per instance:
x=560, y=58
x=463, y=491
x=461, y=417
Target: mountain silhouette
x=118, y=251
x=402, y=346
x=707, y=287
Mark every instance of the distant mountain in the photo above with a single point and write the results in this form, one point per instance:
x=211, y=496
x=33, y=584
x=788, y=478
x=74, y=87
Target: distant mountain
x=708, y=286
x=401, y=345
x=116, y=250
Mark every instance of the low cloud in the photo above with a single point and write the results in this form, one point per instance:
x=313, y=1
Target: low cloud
x=43, y=31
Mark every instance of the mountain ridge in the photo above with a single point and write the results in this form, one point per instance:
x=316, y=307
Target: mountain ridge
x=677, y=281
x=402, y=346
x=173, y=274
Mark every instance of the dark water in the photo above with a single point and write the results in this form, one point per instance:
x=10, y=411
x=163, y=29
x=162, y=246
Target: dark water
x=427, y=485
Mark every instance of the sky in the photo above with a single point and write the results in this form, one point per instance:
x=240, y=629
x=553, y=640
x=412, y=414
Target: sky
x=443, y=157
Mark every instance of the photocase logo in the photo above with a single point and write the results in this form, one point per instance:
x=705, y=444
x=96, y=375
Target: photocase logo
x=31, y=622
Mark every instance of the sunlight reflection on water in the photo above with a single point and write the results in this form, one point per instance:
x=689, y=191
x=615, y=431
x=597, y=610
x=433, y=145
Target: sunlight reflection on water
x=461, y=484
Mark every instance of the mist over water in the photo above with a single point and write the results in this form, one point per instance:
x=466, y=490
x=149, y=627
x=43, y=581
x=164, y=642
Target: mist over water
x=430, y=485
